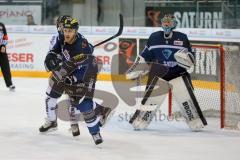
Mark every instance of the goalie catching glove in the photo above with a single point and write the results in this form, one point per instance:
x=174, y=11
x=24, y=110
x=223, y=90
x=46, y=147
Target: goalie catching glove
x=184, y=58
x=139, y=68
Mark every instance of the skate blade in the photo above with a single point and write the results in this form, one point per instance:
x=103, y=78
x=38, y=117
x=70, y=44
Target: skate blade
x=49, y=131
x=99, y=146
x=74, y=134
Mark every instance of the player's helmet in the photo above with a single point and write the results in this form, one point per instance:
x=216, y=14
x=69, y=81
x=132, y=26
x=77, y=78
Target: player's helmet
x=71, y=23
x=61, y=20
x=169, y=23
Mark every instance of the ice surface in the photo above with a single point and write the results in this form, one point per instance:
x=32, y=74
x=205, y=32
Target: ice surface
x=22, y=112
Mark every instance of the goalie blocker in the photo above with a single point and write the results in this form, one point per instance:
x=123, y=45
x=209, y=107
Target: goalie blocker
x=155, y=95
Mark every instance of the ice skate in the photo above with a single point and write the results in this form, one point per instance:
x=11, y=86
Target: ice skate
x=48, y=126
x=97, y=138
x=12, y=88
x=75, y=129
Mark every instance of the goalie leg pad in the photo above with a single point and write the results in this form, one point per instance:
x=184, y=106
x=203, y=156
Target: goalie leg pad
x=193, y=97
x=189, y=107
x=153, y=99
x=143, y=116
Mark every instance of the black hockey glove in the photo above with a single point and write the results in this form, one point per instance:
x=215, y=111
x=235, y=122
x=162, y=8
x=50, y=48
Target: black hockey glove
x=1, y=48
x=52, y=61
x=70, y=80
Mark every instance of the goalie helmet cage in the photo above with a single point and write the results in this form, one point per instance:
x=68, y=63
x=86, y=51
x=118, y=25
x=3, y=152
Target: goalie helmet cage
x=217, y=87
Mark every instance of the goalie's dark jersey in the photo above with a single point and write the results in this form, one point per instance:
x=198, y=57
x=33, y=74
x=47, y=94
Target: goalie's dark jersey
x=80, y=46
x=161, y=50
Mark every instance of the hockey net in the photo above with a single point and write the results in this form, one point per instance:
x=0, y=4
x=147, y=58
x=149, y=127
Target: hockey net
x=216, y=83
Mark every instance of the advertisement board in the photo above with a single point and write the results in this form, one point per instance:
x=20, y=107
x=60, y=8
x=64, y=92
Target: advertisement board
x=26, y=51
x=186, y=16
x=17, y=15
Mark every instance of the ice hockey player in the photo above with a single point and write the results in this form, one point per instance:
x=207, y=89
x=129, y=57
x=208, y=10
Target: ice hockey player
x=52, y=95
x=169, y=55
x=76, y=72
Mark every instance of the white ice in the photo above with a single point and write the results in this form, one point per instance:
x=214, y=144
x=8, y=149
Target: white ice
x=22, y=112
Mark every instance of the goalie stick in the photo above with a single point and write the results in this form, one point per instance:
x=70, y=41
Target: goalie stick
x=114, y=36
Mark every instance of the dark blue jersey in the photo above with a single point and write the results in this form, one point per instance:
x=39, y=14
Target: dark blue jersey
x=67, y=51
x=79, y=46
x=161, y=50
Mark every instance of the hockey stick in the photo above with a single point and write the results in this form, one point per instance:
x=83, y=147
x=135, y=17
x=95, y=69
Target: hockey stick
x=114, y=36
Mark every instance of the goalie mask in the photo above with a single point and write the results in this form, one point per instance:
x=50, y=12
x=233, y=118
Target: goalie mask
x=169, y=23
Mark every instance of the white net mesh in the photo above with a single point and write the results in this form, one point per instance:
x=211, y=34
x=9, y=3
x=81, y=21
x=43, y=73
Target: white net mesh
x=206, y=77
x=232, y=87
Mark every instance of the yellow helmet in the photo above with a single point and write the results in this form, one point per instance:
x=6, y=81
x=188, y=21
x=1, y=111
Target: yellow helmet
x=71, y=23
